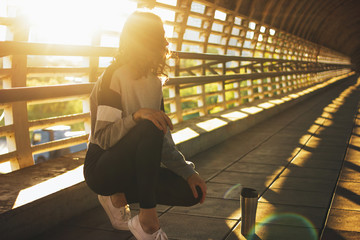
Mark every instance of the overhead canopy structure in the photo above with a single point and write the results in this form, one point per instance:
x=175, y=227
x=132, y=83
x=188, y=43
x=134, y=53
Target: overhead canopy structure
x=331, y=23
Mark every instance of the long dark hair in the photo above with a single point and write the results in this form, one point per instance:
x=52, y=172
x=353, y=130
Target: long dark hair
x=143, y=43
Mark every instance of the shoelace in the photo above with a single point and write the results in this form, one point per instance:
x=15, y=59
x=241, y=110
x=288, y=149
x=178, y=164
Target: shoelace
x=160, y=235
x=125, y=213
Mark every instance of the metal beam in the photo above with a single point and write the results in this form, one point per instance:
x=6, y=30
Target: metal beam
x=287, y=13
x=303, y=15
x=276, y=12
x=252, y=8
x=266, y=11
x=289, y=24
x=310, y=17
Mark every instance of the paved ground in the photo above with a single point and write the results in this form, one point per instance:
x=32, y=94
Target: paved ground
x=293, y=160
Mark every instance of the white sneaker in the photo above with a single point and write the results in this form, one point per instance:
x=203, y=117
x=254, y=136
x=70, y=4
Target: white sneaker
x=140, y=234
x=119, y=217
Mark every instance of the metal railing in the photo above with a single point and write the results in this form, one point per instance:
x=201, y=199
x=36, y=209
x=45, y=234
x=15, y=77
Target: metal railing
x=199, y=84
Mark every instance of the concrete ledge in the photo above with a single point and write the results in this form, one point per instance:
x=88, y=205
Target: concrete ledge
x=36, y=216
x=57, y=192
x=40, y=215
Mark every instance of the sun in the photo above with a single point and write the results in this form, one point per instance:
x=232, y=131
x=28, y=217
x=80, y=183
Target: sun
x=74, y=21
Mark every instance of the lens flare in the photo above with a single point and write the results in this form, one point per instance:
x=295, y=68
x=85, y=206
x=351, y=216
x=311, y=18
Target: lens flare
x=294, y=220
x=230, y=190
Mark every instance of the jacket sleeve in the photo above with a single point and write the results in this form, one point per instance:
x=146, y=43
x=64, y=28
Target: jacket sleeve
x=174, y=159
x=110, y=123
x=107, y=133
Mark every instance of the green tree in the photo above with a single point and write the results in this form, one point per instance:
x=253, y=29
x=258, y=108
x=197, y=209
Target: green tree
x=48, y=110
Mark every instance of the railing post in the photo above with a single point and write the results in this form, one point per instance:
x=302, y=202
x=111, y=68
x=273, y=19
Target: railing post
x=178, y=103
x=261, y=89
x=93, y=74
x=86, y=108
x=19, y=115
x=94, y=61
x=10, y=139
x=223, y=96
x=172, y=103
x=250, y=91
x=269, y=87
x=21, y=142
x=238, y=90
x=203, y=100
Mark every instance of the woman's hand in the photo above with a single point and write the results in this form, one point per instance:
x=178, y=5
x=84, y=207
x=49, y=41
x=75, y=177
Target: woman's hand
x=159, y=118
x=195, y=180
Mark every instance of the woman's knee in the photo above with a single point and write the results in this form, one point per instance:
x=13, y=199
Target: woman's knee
x=193, y=201
x=146, y=127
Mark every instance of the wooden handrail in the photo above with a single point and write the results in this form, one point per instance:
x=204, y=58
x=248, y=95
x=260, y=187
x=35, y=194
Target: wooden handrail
x=27, y=48
x=216, y=78
x=57, y=144
x=83, y=89
x=7, y=20
x=65, y=120
x=59, y=70
x=44, y=92
x=5, y=157
x=6, y=130
x=209, y=56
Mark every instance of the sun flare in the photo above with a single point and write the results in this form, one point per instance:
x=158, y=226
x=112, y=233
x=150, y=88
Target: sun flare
x=73, y=22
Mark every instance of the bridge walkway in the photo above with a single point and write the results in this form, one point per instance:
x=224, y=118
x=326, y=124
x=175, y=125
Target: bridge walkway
x=304, y=163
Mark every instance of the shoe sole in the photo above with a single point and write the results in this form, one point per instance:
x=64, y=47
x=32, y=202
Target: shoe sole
x=124, y=227
x=133, y=231
x=137, y=235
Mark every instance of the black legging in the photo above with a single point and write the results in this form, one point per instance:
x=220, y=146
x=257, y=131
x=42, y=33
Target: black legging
x=132, y=166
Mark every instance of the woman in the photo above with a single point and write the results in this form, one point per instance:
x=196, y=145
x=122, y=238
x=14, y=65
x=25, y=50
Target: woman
x=130, y=135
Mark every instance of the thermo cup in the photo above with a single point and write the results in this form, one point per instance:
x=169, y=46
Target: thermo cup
x=248, y=204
